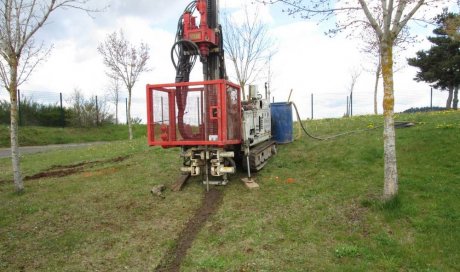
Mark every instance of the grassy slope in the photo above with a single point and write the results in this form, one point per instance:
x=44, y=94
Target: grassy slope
x=329, y=218
x=30, y=135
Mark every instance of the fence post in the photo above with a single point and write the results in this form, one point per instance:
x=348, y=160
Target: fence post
x=348, y=108
x=351, y=104
x=162, y=116
x=126, y=104
x=19, y=107
x=62, y=111
x=431, y=100
x=97, y=113
x=312, y=106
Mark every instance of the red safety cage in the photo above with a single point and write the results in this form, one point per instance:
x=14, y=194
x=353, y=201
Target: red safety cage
x=194, y=113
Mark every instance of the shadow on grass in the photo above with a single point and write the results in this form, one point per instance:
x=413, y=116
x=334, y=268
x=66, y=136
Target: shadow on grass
x=376, y=203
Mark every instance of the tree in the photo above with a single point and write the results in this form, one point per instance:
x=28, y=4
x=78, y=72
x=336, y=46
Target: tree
x=377, y=74
x=372, y=49
x=248, y=46
x=355, y=73
x=440, y=65
x=357, y=16
x=125, y=62
x=87, y=112
x=114, y=94
x=452, y=26
x=20, y=20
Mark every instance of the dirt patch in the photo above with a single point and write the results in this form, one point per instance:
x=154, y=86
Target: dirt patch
x=67, y=170
x=52, y=174
x=87, y=163
x=171, y=262
x=356, y=219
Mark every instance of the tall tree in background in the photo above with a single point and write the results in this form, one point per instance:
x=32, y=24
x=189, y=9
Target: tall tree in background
x=355, y=73
x=87, y=112
x=248, y=46
x=452, y=27
x=126, y=62
x=440, y=64
x=20, y=20
x=357, y=16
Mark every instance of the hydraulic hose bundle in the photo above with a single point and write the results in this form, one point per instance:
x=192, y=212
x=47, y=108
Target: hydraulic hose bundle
x=192, y=40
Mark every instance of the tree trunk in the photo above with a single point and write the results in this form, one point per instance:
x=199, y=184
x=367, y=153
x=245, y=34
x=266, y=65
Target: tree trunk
x=449, y=98
x=130, y=128
x=376, y=86
x=116, y=112
x=389, y=141
x=18, y=183
x=455, y=102
x=243, y=93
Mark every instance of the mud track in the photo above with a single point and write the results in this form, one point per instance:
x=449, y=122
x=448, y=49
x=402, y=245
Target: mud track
x=67, y=170
x=172, y=261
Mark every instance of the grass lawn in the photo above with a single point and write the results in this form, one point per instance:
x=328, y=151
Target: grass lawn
x=30, y=135
x=318, y=207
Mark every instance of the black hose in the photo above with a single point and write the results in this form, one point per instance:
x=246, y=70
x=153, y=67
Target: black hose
x=324, y=138
x=189, y=45
x=232, y=162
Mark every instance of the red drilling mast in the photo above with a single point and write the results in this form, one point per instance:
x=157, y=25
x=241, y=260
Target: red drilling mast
x=205, y=118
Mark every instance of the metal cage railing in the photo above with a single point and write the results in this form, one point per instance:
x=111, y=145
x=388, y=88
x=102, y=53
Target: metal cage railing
x=194, y=113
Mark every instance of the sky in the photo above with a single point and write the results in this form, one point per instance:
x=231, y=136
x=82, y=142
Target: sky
x=307, y=61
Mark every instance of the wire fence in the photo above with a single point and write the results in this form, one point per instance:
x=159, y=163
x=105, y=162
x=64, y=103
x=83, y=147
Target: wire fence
x=314, y=105
x=317, y=105
x=103, y=106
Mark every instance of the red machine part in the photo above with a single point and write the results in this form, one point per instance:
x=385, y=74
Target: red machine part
x=204, y=36
x=215, y=121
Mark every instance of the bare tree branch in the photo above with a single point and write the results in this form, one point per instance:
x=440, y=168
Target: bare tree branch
x=125, y=62
x=19, y=22
x=248, y=46
x=113, y=93
x=323, y=8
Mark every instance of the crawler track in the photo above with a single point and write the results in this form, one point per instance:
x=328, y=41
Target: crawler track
x=259, y=155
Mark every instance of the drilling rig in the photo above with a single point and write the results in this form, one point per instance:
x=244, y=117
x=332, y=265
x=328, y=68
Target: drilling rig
x=208, y=120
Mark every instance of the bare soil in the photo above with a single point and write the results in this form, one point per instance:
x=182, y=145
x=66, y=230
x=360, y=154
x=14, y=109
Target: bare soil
x=172, y=260
x=67, y=170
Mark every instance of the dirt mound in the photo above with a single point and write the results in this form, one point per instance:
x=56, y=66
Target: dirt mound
x=172, y=260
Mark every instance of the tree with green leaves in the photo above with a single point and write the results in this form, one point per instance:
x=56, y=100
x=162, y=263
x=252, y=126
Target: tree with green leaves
x=440, y=65
x=388, y=19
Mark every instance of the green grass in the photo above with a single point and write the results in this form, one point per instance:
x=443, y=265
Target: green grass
x=327, y=217
x=30, y=135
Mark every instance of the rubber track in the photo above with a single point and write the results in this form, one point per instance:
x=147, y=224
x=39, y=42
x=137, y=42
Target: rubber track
x=256, y=151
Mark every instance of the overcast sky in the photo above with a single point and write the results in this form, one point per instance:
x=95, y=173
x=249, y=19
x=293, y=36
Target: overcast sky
x=307, y=61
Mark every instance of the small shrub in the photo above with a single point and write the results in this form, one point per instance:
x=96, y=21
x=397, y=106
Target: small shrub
x=346, y=251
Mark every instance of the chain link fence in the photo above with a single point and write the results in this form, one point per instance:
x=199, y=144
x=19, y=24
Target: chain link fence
x=57, y=109
x=48, y=108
